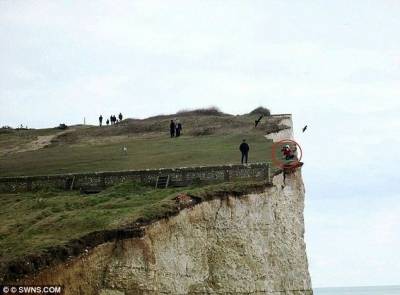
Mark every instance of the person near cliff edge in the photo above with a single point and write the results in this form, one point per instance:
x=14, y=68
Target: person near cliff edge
x=244, y=148
x=287, y=152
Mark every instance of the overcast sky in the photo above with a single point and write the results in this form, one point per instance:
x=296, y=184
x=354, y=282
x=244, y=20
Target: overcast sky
x=334, y=64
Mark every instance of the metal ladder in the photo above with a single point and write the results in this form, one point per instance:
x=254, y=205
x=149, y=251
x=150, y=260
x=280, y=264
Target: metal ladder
x=162, y=181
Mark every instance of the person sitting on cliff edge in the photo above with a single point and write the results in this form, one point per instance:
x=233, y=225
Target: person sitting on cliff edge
x=287, y=152
x=244, y=148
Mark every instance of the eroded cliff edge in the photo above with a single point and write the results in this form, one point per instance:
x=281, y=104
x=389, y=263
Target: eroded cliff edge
x=249, y=244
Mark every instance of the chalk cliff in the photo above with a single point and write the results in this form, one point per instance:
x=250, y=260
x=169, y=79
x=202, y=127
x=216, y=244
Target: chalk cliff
x=285, y=131
x=231, y=244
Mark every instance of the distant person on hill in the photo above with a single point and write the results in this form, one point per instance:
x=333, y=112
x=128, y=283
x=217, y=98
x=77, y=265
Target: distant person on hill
x=120, y=117
x=244, y=148
x=178, y=128
x=113, y=119
x=101, y=120
x=172, y=128
x=108, y=122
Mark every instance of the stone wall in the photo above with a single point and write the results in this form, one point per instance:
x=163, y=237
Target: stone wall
x=178, y=176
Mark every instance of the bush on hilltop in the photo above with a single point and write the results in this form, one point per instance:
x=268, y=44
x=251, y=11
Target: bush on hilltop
x=261, y=111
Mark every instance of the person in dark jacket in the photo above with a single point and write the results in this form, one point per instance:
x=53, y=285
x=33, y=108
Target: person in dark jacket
x=178, y=127
x=101, y=120
x=244, y=148
x=108, y=122
x=172, y=128
x=120, y=117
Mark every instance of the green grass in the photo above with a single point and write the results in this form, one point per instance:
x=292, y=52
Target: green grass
x=31, y=222
x=12, y=138
x=206, y=140
x=143, y=153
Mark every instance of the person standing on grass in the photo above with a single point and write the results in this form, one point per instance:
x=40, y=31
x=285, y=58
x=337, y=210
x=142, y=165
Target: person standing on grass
x=178, y=127
x=101, y=120
x=108, y=122
x=244, y=149
x=120, y=117
x=172, y=128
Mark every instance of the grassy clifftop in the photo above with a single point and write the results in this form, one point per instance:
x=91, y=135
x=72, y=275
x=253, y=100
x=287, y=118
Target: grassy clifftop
x=208, y=139
x=45, y=227
x=40, y=228
x=32, y=222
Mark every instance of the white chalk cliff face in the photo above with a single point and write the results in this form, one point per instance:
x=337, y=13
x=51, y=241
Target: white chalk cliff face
x=252, y=244
x=286, y=120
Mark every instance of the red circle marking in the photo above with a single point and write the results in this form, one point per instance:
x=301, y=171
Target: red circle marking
x=282, y=164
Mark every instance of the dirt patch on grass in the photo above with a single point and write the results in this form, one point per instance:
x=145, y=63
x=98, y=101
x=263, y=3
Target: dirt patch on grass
x=41, y=142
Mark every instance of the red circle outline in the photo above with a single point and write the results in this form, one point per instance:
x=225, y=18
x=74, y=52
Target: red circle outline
x=280, y=164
